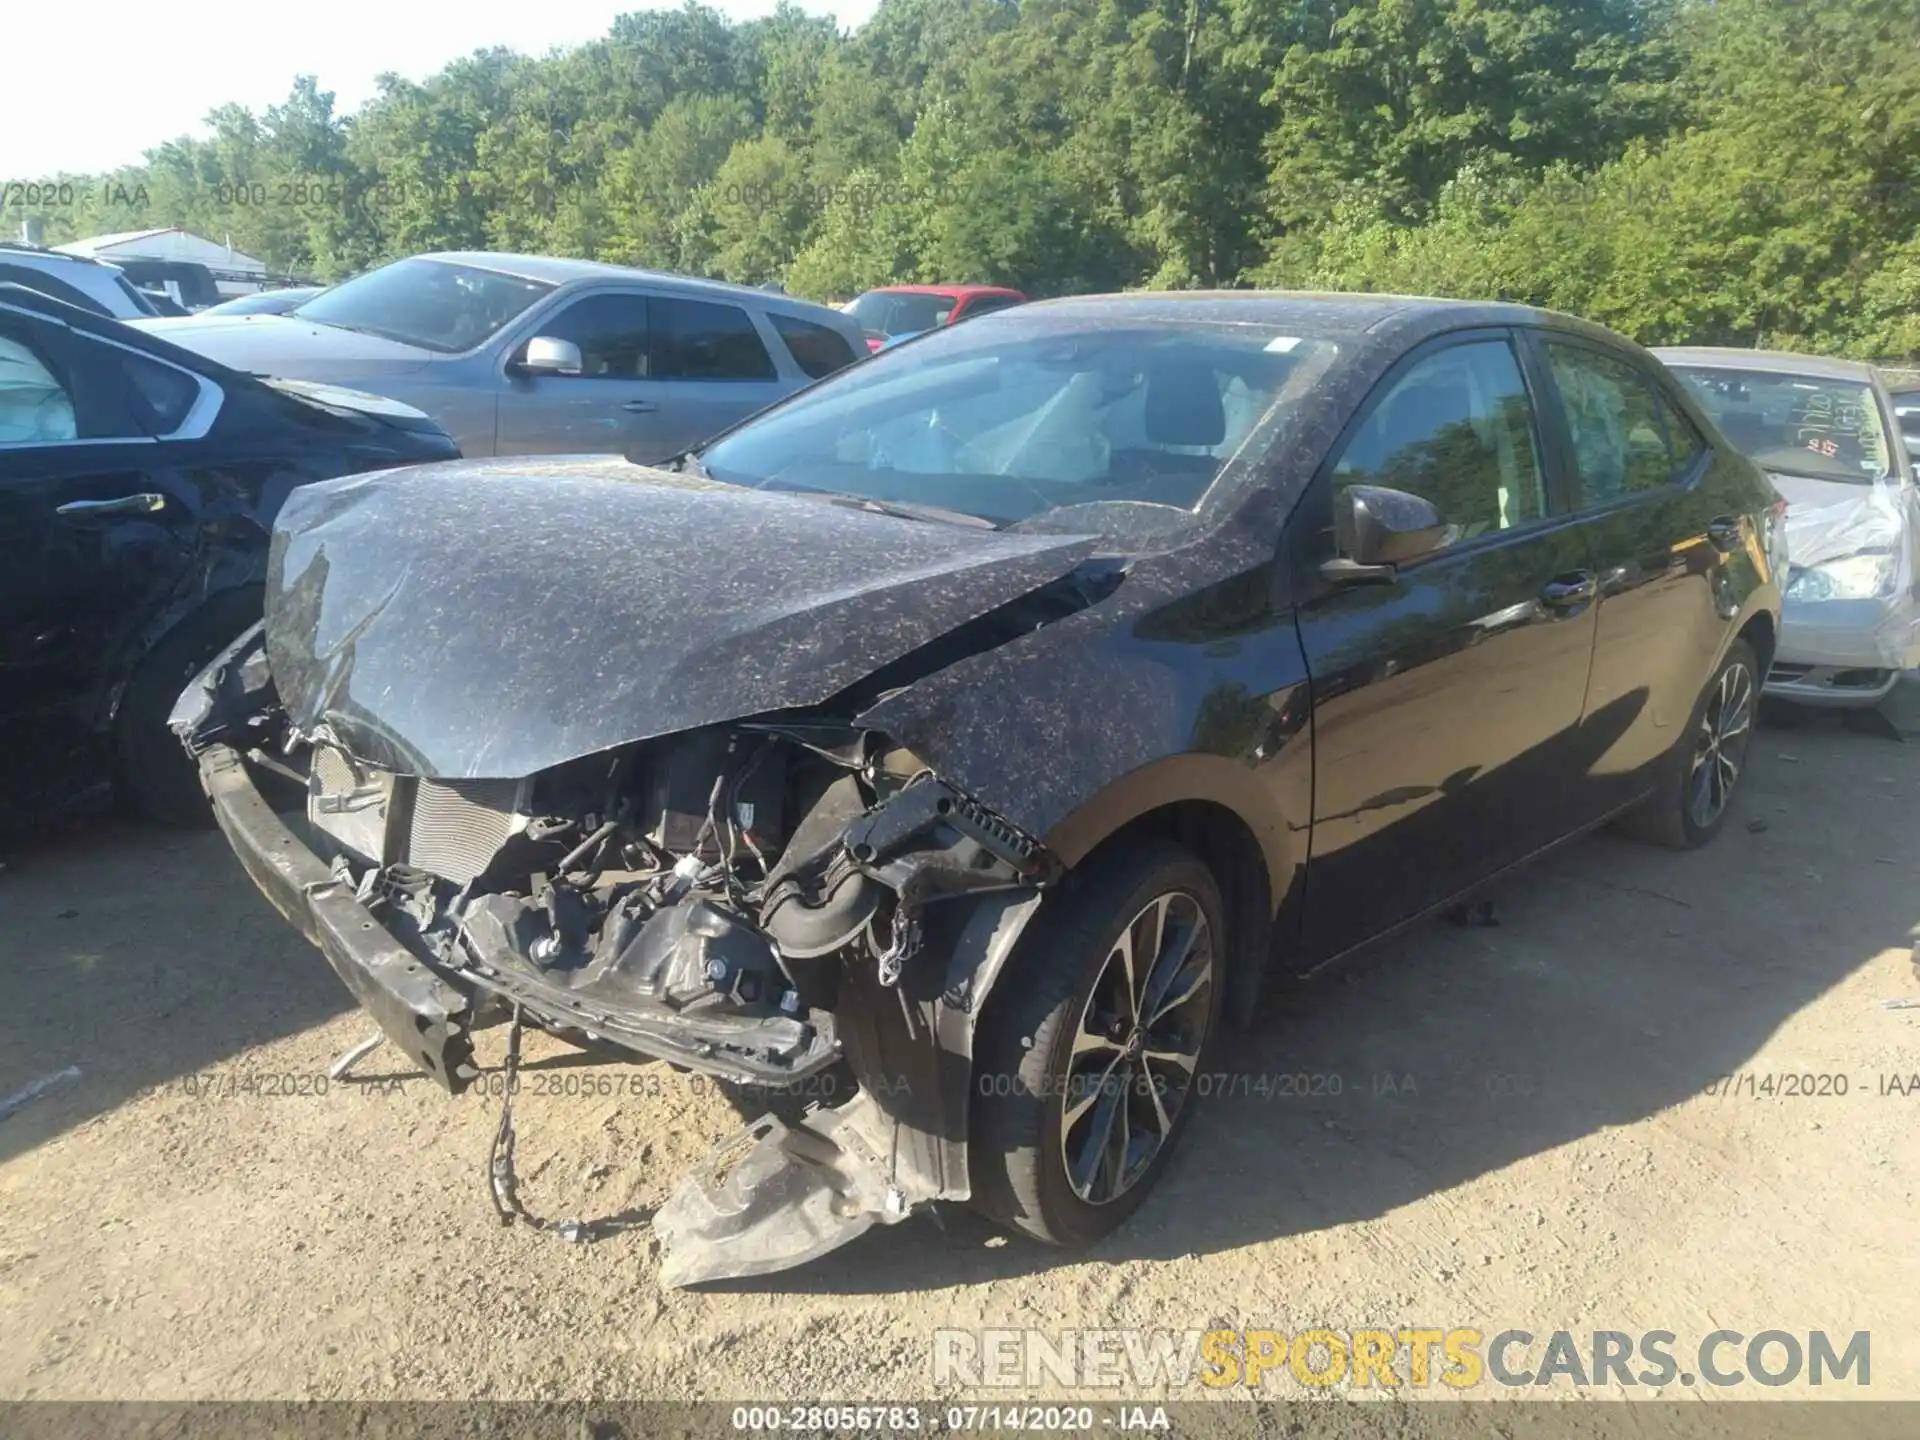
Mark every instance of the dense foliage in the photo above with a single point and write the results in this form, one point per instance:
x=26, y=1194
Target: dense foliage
x=1732, y=171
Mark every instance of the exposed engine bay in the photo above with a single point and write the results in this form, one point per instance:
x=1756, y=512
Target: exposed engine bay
x=757, y=900
x=694, y=898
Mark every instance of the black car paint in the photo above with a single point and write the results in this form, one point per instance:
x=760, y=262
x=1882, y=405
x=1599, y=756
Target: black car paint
x=1346, y=757
x=84, y=599
x=1201, y=668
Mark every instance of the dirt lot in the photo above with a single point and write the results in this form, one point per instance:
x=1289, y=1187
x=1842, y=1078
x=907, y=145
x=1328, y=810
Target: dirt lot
x=1554, y=1162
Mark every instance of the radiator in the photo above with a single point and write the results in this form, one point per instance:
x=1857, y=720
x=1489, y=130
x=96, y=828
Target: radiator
x=458, y=826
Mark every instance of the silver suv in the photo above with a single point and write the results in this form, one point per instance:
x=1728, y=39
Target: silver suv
x=93, y=285
x=517, y=354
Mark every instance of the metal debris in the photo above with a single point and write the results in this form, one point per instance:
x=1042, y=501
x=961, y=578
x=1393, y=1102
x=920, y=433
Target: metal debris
x=38, y=1088
x=343, y=1067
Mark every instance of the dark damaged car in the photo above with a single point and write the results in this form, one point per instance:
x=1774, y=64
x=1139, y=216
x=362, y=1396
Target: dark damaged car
x=138, y=485
x=992, y=721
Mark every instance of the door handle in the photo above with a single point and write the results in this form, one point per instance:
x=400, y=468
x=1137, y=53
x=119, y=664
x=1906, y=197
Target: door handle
x=1566, y=592
x=145, y=504
x=639, y=407
x=1724, y=532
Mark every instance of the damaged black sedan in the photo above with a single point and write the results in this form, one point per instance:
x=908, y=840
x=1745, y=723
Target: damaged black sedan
x=992, y=721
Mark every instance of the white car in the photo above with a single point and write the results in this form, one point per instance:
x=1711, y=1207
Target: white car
x=1825, y=432
x=77, y=279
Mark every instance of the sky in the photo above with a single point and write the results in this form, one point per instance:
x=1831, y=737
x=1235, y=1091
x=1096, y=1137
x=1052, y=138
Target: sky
x=142, y=76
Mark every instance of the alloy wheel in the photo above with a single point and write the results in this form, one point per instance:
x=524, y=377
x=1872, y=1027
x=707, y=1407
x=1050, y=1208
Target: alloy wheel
x=1721, y=746
x=1135, y=1047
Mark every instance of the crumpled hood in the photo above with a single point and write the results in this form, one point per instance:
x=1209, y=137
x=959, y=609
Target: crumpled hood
x=494, y=618
x=289, y=346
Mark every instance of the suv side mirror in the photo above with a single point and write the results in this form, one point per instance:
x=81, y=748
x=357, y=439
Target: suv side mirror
x=548, y=356
x=1376, y=530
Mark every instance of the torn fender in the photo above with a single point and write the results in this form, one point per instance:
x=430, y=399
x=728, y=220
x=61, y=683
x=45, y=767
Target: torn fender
x=771, y=1196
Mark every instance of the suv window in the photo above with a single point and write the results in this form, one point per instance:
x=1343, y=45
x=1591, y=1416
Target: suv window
x=698, y=340
x=815, y=349
x=1457, y=430
x=987, y=304
x=611, y=331
x=1627, y=437
x=51, y=285
x=35, y=407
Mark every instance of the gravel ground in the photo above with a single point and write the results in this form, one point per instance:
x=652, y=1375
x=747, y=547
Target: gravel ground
x=1522, y=1139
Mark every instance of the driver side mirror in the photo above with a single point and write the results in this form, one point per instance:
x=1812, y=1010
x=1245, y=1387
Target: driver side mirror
x=548, y=356
x=1376, y=530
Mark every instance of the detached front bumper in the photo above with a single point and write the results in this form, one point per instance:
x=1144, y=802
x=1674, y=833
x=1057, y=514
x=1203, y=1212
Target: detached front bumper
x=421, y=1012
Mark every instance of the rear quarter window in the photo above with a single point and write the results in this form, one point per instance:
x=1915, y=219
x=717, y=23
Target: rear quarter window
x=816, y=349
x=158, y=396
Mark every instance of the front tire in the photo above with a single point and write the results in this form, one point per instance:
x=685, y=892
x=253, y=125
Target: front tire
x=1090, y=1053
x=1699, y=778
x=153, y=775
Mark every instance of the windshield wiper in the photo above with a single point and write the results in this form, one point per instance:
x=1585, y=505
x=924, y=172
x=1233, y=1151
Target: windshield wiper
x=898, y=509
x=901, y=510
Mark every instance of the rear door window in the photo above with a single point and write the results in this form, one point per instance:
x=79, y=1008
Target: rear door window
x=815, y=349
x=701, y=340
x=1457, y=430
x=1628, y=439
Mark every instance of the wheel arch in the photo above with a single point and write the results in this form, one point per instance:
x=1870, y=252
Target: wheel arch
x=1224, y=813
x=1762, y=632
x=243, y=597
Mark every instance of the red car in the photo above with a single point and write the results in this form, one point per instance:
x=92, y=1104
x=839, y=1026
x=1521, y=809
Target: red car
x=895, y=312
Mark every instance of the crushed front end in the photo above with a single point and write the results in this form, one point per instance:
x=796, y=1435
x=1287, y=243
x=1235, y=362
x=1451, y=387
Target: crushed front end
x=757, y=900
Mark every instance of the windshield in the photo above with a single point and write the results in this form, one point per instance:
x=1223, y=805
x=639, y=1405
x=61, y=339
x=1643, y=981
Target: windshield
x=429, y=303
x=1798, y=424
x=1019, y=418
x=892, y=312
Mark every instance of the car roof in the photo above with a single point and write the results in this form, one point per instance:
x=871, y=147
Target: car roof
x=1329, y=314
x=14, y=249
x=561, y=270
x=956, y=291
x=1778, y=362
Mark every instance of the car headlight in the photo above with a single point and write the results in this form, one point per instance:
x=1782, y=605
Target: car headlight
x=1857, y=577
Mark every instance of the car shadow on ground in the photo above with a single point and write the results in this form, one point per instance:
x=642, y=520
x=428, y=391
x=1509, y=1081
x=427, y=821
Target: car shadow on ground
x=1619, y=981
x=139, y=955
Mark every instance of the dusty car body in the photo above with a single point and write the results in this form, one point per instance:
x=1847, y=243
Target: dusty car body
x=1826, y=432
x=990, y=720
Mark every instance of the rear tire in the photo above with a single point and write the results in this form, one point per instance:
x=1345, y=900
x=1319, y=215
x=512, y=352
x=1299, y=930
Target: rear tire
x=1700, y=776
x=153, y=776
x=1038, y=1101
